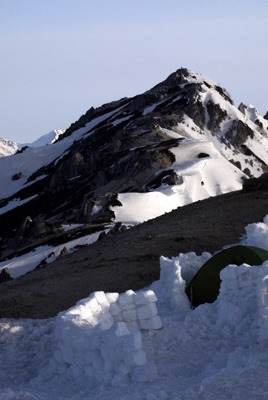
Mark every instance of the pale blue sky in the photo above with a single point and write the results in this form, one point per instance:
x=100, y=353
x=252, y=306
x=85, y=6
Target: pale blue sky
x=60, y=57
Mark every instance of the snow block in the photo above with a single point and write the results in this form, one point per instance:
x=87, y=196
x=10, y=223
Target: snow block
x=116, y=331
x=132, y=342
x=89, y=371
x=229, y=285
x=58, y=356
x=105, y=321
x=126, y=298
x=145, y=297
x=68, y=354
x=94, y=341
x=147, y=311
x=100, y=297
x=265, y=299
x=265, y=282
x=151, y=324
x=229, y=273
x=94, y=359
x=115, y=309
x=244, y=278
x=119, y=380
x=102, y=300
x=133, y=326
x=123, y=369
x=119, y=318
x=112, y=297
x=264, y=312
x=145, y=373
x=135, y=358
x=129, y=315
x=113, y=352
x=128, y=307
x=94, y=306
x=263, y=332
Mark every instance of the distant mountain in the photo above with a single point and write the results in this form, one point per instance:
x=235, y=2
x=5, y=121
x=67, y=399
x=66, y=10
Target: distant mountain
x=49, y=138
x=131, y=160
x=7, y=147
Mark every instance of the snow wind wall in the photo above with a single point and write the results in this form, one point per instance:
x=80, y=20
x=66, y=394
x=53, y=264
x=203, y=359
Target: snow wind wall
x=101, y=337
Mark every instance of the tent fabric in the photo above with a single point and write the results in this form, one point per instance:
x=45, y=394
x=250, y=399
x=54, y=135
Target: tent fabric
x=205, y=285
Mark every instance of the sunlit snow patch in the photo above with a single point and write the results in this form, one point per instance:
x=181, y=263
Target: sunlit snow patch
x=199, y=178
x=20, y=265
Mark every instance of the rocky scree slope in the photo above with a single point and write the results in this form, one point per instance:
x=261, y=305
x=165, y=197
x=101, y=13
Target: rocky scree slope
x=130, y=259
x=123, y=147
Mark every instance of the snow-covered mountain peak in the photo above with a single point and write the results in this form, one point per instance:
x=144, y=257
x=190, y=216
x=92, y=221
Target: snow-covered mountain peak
x=49, y=138
x=8, y=147
x=179, y=142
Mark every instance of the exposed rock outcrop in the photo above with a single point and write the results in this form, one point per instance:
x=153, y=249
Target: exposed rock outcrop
x=238, y=133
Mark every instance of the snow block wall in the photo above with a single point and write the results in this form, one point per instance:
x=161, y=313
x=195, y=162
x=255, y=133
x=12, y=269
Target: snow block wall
x=263, y=305
x=175, y=275
x=101, y=337
x=243, y=299
x=257, y=234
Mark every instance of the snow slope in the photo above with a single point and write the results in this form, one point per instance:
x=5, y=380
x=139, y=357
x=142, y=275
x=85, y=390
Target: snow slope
x=216, y=351
x=199, y=178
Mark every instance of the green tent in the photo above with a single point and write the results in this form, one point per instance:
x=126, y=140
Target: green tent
x=205, y=285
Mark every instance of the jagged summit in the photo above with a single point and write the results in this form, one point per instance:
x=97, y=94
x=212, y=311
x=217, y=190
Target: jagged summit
x=179, y=142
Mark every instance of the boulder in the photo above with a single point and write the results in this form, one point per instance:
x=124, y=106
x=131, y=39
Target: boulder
x=5, y=275
x=40, y=227
x=260, y=183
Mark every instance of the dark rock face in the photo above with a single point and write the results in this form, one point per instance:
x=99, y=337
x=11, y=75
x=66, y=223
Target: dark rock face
x=266, y=115
x=238, y=133
x=216, y=116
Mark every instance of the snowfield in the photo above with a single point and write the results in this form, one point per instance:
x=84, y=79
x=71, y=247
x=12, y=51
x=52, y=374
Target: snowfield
x=149, y=344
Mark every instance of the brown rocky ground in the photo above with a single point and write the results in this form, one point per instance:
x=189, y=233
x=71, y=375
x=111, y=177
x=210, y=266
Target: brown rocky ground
x=130, y=260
